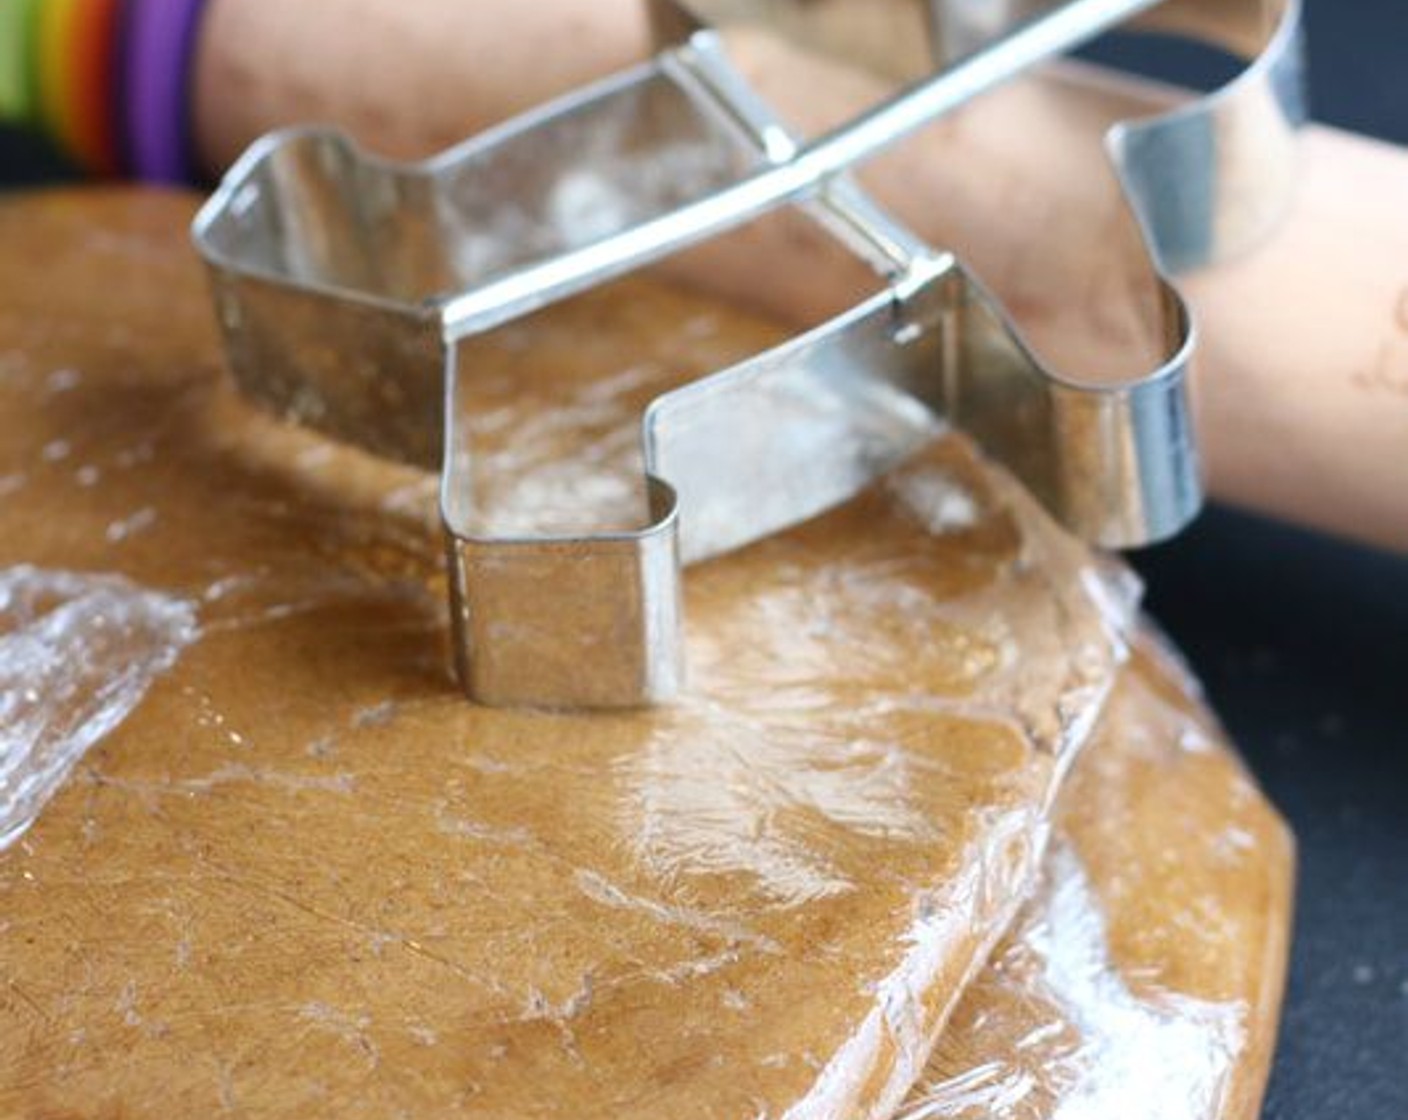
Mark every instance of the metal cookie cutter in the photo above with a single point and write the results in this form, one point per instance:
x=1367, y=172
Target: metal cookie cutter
x=345, y=286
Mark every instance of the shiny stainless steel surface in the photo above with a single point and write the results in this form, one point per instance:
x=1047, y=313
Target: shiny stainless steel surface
x=345, y=287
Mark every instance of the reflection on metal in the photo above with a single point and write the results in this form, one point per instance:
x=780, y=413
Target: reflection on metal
x=346, y=285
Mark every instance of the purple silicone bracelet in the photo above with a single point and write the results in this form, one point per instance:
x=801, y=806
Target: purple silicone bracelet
x=158, y=45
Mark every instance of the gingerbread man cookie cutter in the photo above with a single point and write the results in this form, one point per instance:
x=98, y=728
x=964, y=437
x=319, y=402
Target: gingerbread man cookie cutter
x=345, y=285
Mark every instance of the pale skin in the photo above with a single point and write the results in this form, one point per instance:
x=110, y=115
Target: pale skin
x=1303, y=374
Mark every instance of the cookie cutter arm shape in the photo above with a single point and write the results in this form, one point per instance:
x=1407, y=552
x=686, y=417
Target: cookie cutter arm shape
x=593, y=619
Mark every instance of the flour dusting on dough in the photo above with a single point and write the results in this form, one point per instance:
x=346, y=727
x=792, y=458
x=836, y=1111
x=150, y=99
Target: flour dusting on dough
x=77, y=654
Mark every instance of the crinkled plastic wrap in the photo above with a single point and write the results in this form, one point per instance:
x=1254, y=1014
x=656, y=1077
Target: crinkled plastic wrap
x=1144, y=976
x=304, y=877
x=77, y=653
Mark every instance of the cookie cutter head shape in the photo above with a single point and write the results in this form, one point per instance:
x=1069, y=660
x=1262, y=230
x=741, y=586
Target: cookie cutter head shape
x=342, y=284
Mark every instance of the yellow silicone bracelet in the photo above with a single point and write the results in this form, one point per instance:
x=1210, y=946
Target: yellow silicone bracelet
x=58, y=77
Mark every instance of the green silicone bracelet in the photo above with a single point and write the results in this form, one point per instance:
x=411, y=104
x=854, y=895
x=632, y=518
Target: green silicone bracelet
x=19, y=71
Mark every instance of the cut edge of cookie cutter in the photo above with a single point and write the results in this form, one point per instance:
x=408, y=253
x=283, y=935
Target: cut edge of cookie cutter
x=594, y=620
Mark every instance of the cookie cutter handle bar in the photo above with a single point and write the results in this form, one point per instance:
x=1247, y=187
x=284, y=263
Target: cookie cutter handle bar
x=1050, y=34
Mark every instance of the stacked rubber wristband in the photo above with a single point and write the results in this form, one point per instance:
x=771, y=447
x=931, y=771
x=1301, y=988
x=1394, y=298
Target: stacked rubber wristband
x=108, y=80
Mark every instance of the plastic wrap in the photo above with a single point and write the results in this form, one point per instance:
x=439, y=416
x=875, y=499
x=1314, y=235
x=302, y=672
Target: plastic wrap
x=759, y=901
x=1142, y=978
x=304, y=877
x=77, y=653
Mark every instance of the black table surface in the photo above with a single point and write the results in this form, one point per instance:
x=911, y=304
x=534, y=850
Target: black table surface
x=1302, y=643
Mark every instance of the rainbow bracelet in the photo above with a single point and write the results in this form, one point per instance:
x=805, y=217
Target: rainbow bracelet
x=107, y=79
